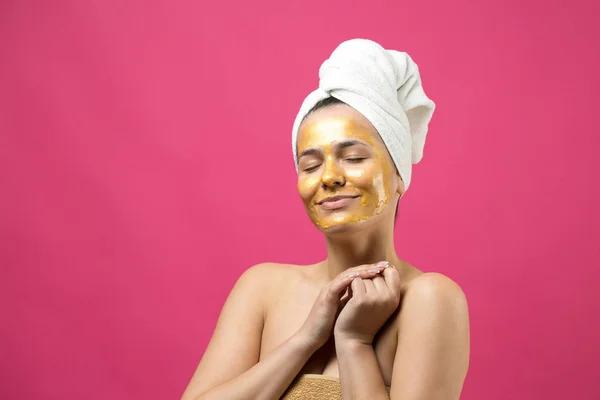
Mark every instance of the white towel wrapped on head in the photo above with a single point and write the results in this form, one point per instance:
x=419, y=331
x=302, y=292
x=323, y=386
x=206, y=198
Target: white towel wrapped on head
x=385, y=87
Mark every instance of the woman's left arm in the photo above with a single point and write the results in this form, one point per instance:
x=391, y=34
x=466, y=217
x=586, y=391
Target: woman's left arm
x=432, y=356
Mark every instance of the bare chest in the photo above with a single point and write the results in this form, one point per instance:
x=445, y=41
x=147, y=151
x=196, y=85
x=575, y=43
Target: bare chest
x=288, y=312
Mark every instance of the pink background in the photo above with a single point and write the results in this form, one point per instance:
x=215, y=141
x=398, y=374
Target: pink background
x=145, y=163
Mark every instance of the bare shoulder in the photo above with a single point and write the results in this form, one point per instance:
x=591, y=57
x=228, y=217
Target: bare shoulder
x=269, y=271
x=433, y=284
x=270, y=278
x=434, y=294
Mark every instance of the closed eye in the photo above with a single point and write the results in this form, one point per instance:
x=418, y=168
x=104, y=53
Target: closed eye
x=355, y=159
x=312, y=168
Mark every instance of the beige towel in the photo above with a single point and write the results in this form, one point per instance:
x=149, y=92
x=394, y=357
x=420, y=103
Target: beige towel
x=315, y=387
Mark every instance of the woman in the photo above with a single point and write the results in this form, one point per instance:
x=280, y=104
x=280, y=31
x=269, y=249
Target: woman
x=362, y=324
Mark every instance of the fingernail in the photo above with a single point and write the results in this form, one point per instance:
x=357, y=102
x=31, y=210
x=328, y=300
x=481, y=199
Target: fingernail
x=374, y=271
x=382, y=264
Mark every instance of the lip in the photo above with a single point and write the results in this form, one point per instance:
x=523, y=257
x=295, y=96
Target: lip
x=336, y=202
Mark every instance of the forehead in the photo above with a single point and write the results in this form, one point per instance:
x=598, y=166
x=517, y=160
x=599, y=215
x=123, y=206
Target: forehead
x=335, y=123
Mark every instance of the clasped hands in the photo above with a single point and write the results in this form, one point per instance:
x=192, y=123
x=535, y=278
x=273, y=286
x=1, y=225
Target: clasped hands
x=354, y=305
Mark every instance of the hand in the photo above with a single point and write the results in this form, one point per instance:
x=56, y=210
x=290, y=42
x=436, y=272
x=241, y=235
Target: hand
x=319, y=323
x=372, y=302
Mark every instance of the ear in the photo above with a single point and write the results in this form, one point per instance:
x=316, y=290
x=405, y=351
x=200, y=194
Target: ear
x=400, y=182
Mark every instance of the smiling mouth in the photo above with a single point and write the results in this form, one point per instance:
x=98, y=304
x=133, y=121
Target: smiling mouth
x=336, y=202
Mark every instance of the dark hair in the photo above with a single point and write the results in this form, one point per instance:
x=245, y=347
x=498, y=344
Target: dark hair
x=331, y=101
x=326, y=102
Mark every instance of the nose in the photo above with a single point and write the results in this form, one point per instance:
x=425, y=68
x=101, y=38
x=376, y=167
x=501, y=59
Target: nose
x=332, y=175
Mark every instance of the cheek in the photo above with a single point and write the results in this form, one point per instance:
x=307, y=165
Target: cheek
x=356, y=174
x=367, y=176
x=381, y=190
x=374, y=180
x=307, y=187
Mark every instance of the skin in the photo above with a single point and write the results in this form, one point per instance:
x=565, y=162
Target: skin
x=342, y=155
x=369, y=324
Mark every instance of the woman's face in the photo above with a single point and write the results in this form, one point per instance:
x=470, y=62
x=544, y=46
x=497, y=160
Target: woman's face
x=345, y=173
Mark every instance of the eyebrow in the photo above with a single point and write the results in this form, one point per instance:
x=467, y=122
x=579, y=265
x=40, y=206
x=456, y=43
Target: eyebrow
x=343, y=144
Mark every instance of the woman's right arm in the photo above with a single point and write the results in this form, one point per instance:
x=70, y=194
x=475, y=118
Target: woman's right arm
x=230, y=367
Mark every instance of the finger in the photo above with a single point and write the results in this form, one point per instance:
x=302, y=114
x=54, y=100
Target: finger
x=346, y=294
x=358, y=288
x=343, y=280
x=392, y=279
x=380, y=266
x=344, y=301
x=380, y=284
x=336, y=288
x=370, y=287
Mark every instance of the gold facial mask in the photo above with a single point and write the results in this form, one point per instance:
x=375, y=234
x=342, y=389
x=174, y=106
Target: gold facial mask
x=332, y=167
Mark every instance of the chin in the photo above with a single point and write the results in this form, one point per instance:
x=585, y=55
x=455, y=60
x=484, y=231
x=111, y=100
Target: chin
x=331, y=228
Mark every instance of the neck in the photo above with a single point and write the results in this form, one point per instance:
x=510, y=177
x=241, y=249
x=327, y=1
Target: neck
x=346, y=250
